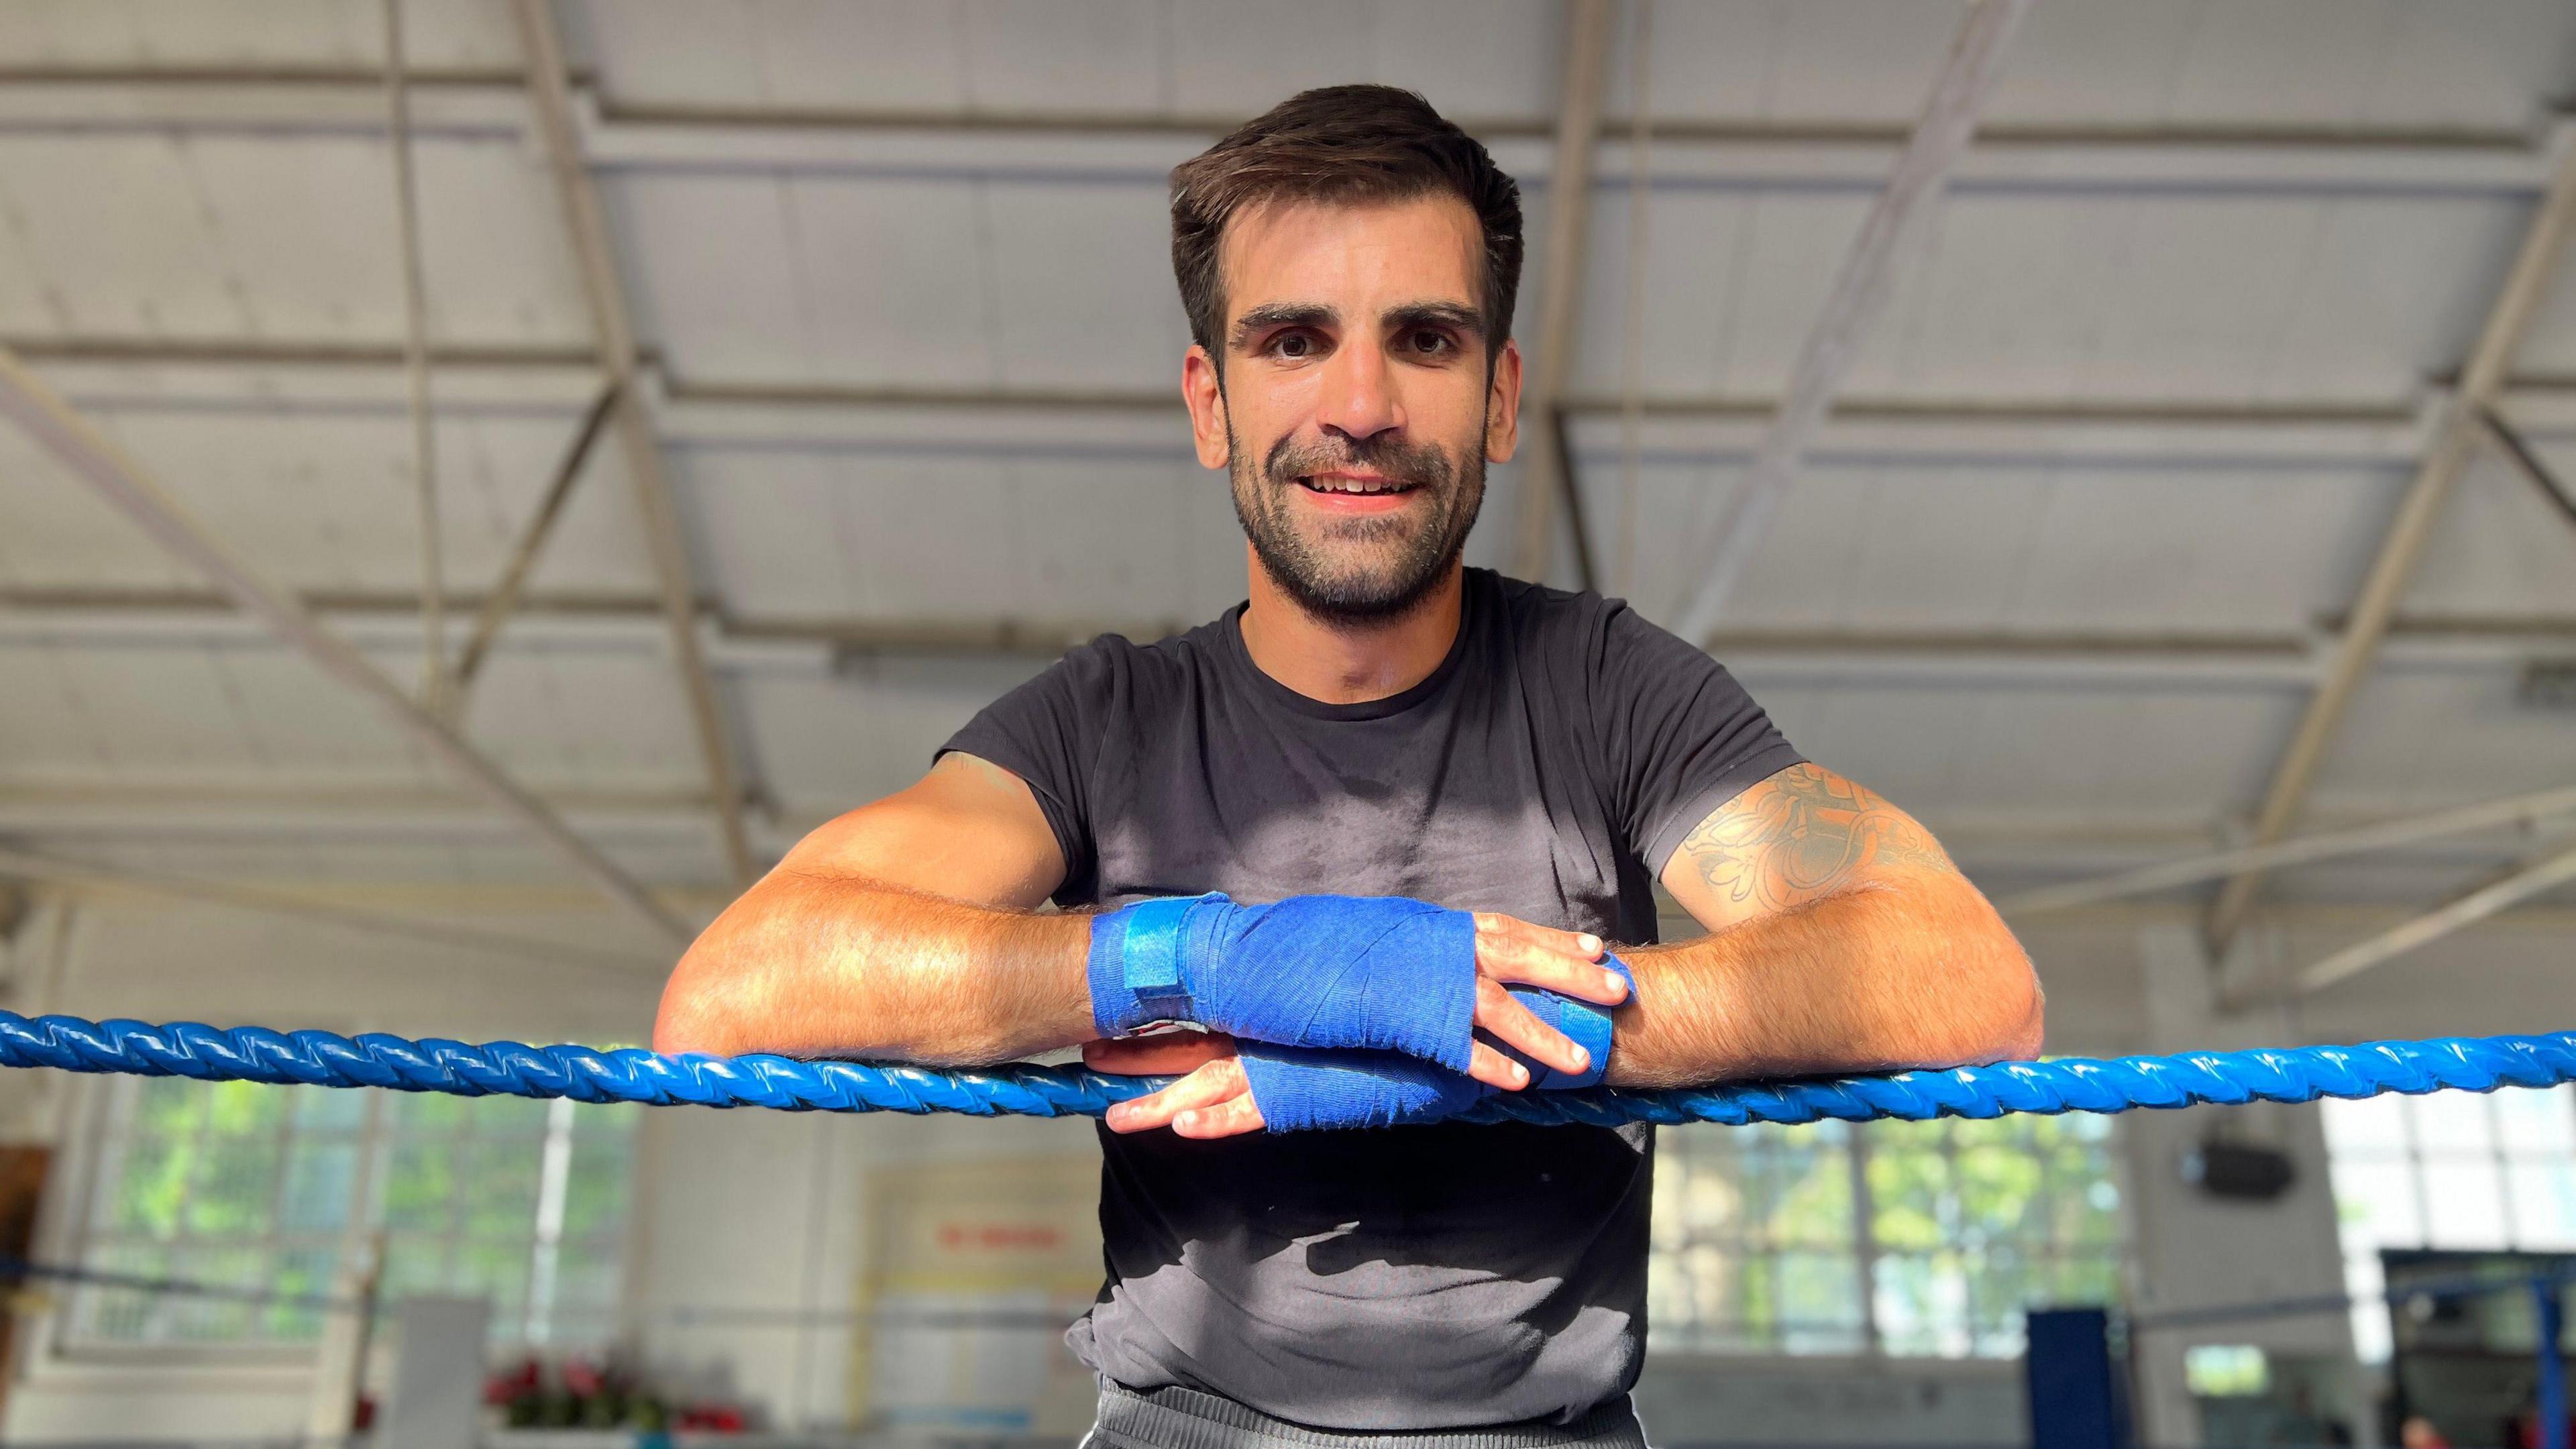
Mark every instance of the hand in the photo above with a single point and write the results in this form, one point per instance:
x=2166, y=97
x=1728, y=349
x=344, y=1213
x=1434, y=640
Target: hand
x=1236, y=1087
x=1513, y=952
x=1212, y=1098
x=1366, y=973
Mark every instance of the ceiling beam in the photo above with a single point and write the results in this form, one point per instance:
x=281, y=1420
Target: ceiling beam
x=486, y=105
x=2477, y=905
x=2454, y=442
x=19, y=863
x=513, y=583
x=98, y=461
x=550, y=95
x=1544, y=483
x=2518, y=451
x=632, y=623
x=424, y=434
x=1887, y=239
x=2515, y=810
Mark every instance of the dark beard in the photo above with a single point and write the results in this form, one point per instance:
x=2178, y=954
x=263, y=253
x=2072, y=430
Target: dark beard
x=1422, y=555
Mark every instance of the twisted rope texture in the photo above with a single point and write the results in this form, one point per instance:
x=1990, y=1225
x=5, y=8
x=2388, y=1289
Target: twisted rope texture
x=318, y=1058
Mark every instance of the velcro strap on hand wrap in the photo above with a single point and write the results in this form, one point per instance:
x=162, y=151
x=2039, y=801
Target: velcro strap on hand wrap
x=1351, y=972
x=1299, y=1090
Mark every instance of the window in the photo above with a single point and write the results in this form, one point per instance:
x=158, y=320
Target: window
x=255, y=1188
x=2452, y=1170
x=1765, y=1235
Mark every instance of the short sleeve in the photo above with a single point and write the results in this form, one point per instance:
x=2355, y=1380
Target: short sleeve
x=1048, y=732
x=1681, y=736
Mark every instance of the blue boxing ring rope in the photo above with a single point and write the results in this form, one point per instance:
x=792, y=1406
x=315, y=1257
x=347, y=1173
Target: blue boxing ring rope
x=584, y=1074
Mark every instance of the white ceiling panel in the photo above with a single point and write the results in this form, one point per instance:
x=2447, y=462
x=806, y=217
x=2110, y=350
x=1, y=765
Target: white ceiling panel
x=588, y=718
x=2015, y=545
x=2500, y=549
x=2486, y=64
x=929, y=536
x=206, y=33
x=842, y=54
x=1056, y=251
x=2421, y=739
x=2078, y=295
x=2106, y=753
x=228, y=236
x=324, y=500
x=892, y=281
x=829, y=742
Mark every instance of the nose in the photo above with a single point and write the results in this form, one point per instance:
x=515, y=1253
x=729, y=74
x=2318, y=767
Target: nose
x=1358, y=398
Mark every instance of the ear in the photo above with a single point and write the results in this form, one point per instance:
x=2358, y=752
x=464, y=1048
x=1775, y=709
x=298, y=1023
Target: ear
x=1503, y=405
x=1205, y=397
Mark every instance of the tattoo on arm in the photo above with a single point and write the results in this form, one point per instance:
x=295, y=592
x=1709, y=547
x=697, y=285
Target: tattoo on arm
x=1801, y=835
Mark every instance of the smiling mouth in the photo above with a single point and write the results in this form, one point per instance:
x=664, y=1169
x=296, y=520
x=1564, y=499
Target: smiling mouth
x=1326, y=483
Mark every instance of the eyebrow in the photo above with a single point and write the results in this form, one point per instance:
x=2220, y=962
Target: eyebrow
x=1437, y=314
x=1263, y=318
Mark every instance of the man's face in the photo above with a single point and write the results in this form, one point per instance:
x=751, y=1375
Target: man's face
x=1356, y=409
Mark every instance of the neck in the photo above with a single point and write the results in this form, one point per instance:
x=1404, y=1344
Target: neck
x=1336, y=661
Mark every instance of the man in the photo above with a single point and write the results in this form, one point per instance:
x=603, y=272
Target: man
x=1377, y=743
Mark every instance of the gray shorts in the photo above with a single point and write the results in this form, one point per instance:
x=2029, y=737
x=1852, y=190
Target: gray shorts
x=1175, y=1418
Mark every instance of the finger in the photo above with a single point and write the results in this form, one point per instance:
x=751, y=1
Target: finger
x=1495, y=1069
x=1166, y=1054
x=1576, y=943
x=1512, y=1022
x=1523, y=963
x=1210, y=1084
x=1230, y=1118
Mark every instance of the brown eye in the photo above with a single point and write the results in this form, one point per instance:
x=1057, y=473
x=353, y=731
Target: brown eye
x=1295, y=344
x=1431, y=343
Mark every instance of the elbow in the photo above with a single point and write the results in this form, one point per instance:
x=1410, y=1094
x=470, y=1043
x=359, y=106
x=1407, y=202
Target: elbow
x=2024, y=1021
x=681, y=1028
x=2015, y=1018
x=2002, y=1013
x=693, y=1017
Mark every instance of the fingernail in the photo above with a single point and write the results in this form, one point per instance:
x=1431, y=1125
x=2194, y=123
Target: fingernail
x=1614, y=981
x=1590, y=942
x=1186, y=1119
x=1582, y=1060
x=1519, y=1073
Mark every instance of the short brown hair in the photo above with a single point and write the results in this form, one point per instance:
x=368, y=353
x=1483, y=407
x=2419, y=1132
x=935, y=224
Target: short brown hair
x=1349, y=144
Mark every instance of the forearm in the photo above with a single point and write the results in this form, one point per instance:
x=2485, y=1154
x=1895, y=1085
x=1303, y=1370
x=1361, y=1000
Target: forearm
x=1873, y=978
x=826, y=965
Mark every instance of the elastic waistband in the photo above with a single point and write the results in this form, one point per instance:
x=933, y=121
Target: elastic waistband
x=1178, y=1418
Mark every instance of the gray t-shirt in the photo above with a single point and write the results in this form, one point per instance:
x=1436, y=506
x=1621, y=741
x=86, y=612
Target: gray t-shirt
x=1415, y=1277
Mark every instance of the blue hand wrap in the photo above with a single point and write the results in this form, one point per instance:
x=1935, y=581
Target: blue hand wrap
x=1348, y=972
x=1301, y=1090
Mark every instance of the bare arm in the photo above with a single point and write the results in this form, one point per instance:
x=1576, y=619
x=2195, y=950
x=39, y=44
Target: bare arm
x=905, y=930
x=902, y=930
x=1841, y=938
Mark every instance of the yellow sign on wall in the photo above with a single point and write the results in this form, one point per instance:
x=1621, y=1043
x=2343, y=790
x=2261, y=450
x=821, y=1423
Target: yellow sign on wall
x=971, y=1273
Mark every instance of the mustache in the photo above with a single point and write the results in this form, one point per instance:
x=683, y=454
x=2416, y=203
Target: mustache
x=1420, y=464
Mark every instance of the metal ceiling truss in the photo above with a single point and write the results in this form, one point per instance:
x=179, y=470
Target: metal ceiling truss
x=98, y=461
x=1888, y=238
x=550, y=95
x=1550, y=362
x=2456, y=438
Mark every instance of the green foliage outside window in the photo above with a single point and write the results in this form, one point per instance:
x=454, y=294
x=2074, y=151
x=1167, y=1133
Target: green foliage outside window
x=1764, y=1235
x=251, y=1187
